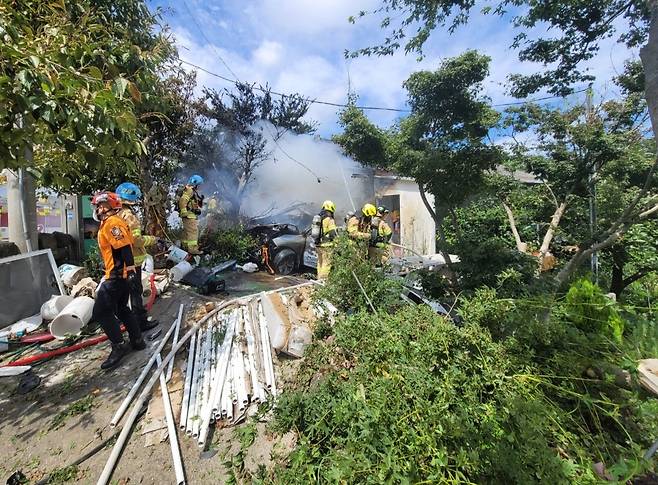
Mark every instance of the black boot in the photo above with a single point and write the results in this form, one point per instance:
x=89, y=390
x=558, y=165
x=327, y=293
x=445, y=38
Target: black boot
x=119, y=351
x=138, y=344
x=148, y=324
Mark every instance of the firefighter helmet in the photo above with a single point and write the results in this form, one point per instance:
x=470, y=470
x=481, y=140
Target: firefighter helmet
x=129, y=192
x=329, y=206
x=369, y=210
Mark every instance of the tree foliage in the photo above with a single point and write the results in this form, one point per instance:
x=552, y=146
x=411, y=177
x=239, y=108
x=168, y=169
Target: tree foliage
x=71, y=77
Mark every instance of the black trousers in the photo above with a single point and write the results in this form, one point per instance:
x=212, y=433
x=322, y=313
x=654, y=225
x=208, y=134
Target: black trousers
x=136, y=300
x=111, y=309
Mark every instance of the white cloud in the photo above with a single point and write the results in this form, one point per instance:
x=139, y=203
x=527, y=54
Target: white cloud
x=268, y=53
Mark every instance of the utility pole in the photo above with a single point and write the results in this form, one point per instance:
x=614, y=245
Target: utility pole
x=594, y=259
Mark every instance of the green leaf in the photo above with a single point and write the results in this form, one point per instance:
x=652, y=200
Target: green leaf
x=95, y=72
x=35, y=61
x=120, y=85
x=126, y=121
x=134, y=92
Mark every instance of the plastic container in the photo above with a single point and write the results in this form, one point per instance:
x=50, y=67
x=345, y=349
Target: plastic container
x=54, y=306
x=180, y=270
x=71, y=274
x=148, y=264
x=72, y=318
x=176, y=254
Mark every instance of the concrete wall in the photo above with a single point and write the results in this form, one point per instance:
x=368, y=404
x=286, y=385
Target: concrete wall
x=417, y=229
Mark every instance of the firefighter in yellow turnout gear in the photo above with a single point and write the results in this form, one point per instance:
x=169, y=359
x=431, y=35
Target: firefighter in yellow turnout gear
x=189, y=209
x=325, y=239
x=358, y=229
x=381, y=233
x=130, y=194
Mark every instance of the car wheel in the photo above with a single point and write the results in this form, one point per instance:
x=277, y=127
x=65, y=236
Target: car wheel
x=285, y=261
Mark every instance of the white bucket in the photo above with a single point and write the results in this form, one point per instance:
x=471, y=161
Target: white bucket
x=71, y=274
x=179, y=271
x=54, y=306
x=148, y=264
x=72, y=318
x=176, y=254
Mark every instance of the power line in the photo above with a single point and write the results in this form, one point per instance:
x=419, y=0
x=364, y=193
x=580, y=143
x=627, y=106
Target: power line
x=341, y=105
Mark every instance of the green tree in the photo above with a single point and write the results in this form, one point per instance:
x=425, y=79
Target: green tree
x=443, y=144
x=71, y=75
x=579, y=27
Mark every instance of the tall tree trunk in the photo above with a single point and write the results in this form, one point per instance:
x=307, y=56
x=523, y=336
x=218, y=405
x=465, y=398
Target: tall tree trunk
x=617, y=278
x=443, y=244
x=455, y=225
x=154, y=201
x=520, y=245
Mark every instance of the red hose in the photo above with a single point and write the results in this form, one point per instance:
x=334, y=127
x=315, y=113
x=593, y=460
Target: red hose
x=154, y=293
x=55, y=353
x=64, y=350
x=37, y=338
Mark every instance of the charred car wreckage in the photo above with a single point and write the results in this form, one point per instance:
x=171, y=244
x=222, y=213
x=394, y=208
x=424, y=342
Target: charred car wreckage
x=283, y=248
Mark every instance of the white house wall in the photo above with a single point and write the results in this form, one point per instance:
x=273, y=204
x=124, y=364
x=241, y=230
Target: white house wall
x=417, y=229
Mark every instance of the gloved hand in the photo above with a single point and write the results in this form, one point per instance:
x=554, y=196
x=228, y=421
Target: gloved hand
x=197, y=211
x=133, y=280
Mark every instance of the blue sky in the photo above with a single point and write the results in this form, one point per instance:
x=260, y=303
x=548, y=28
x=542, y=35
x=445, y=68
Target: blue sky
x=298, y=46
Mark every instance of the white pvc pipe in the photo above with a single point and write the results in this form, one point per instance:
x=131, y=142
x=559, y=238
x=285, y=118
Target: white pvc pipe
x=202, y=376
x=267, y=354
x=145, y=371
x=188, y=383
x=194, y=385
x=170, y=369
x=106, y=474
x=251, y=355
x=171, y=428
x=220, y=375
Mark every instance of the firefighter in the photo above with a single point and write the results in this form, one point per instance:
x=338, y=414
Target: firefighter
x=111, y=303
x=381, y=236
x=325, y=241
x=189, y=208
x=358, y=229
x=130, y=195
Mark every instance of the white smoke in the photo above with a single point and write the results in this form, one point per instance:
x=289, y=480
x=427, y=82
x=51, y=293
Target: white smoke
x=301, y=172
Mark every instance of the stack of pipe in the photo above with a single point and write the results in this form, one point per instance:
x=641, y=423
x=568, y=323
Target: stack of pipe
x=229, y=368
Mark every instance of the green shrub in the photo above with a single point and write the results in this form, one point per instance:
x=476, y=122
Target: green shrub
x=342, y=288
x=592, y=311
x=228, y=244
x=93, y=263
x=422, y=401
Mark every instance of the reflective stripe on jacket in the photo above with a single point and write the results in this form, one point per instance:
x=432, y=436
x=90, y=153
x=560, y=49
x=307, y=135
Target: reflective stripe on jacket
x=140, y=241
x=329, y=231
x=188, y=203
x=355, y=231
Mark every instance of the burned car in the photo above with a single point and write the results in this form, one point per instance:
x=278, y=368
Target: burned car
x=283, y=248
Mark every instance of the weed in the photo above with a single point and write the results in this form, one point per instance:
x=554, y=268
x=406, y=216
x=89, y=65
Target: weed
x=81, y=406
x=63, y=475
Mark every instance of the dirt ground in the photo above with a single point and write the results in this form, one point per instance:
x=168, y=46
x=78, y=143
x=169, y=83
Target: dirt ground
x=69, y=413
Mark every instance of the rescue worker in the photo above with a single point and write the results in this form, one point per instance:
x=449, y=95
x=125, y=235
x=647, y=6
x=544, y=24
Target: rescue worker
x=130, y=195
x=328, y=232
x=378, y=250
x=189, y=209
x=111, y=303
x=358, y=229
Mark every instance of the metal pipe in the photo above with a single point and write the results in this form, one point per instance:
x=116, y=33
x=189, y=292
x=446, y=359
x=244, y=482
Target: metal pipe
x=171, y=428
x=219, y=377
x=170, y=369
x=145, y=371
x=251, y=355
x=188, y=383
x=106, y=474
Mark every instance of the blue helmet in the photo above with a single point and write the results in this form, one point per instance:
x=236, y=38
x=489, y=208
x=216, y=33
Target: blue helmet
x=195, y=180
x=128, y=192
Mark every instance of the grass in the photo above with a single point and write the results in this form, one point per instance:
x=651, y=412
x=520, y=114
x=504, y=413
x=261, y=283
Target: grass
x=81, y=406
x=63, y=475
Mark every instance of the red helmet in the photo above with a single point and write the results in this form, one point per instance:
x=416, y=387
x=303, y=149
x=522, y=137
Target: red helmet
x=110, y=197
